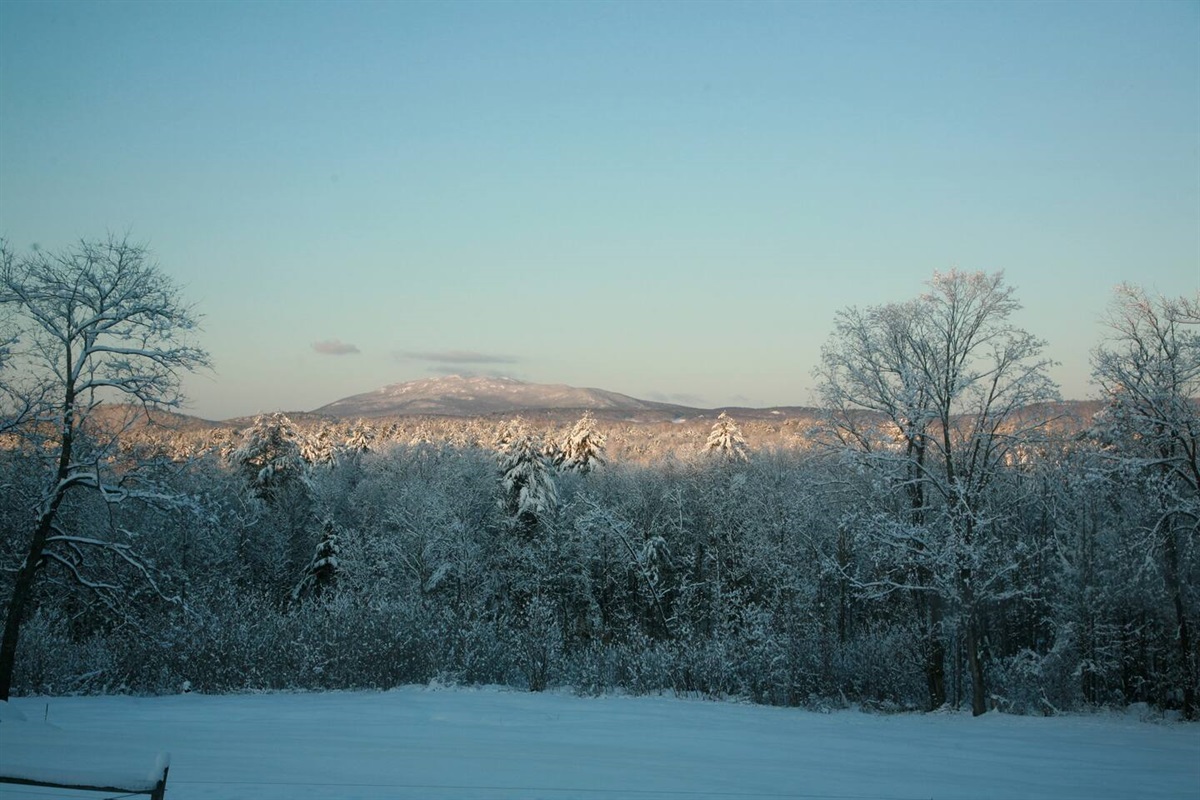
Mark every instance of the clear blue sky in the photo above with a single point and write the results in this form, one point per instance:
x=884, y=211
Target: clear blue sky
x=668, y=200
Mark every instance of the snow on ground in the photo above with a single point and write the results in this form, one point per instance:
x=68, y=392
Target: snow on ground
x=450, y=744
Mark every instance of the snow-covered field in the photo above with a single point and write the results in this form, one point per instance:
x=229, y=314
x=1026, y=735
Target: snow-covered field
x=448, y=744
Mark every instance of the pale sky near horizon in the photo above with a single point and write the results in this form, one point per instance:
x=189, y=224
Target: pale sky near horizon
x=669, y=200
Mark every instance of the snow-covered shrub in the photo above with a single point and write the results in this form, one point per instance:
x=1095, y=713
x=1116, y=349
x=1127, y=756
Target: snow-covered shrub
x=1018, y=685
x=880, y=668
x=51, y=662
x=537, y=644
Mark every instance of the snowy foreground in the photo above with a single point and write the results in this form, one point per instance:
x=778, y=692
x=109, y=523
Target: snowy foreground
x=449, y=744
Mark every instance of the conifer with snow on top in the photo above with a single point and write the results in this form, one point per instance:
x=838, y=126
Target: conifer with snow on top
x=271, y=455
x=361, y=438
x=322, y=570
x=528, y=490
x=583, y=448
x=318, y=445
x=726, y=440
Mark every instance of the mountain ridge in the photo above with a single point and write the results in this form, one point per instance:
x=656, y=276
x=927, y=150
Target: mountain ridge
x=457, y=396
x=468, y=397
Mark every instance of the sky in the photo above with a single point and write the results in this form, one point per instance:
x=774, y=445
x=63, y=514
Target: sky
x=669, y=200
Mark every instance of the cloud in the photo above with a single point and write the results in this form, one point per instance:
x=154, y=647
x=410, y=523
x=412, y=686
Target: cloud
x=455, y=357
x=334, y=347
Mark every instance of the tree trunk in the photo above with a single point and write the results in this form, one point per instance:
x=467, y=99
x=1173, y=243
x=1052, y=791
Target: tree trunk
x=23, y=586
x=935, y=655
x=1186, y=666
x=974, y=643
x=22, y=592
x=975, y=664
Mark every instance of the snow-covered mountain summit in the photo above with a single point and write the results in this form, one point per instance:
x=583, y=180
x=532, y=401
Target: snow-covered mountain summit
x=479, y=396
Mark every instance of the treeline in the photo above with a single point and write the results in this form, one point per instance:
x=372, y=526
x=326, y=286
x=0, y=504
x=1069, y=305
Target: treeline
x=769, y=575
x=937, y=538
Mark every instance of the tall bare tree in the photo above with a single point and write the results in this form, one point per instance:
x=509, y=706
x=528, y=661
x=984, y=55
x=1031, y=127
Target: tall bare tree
x=94, y=322
x=1149, y=373
x=935, y=393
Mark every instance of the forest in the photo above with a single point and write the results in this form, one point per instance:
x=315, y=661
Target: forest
x=943, y=533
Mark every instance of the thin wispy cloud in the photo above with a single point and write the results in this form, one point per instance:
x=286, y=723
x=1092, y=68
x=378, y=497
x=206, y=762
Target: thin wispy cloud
x=334, y=347
x=455, y=357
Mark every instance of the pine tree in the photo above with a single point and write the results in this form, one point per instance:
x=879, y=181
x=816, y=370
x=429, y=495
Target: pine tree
x=361, y=438
x=275, y=548
x=318, y=446
x=527, y=486
x=322, y=571
x=726, y=440
x=583, y=448
x=270, y=456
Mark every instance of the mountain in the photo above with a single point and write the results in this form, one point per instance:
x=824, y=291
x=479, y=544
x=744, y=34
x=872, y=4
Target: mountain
x=456, y=396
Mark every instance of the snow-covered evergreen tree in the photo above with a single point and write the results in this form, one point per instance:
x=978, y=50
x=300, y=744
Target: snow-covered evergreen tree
x=270, y=455
x=361, y=438
x=583, y=448
x=322, y=570
x=726, y=440
x=552, y=451
x=528, y=490
x=317, y=446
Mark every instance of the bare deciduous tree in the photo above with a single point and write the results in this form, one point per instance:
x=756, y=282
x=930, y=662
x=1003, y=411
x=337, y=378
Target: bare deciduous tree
x=94, y=322
x=935, y=393
x=1149, y=373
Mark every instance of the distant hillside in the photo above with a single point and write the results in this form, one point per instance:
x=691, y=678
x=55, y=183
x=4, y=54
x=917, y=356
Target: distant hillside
x=479, y=397
x=455, y=396
x=116, y=416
